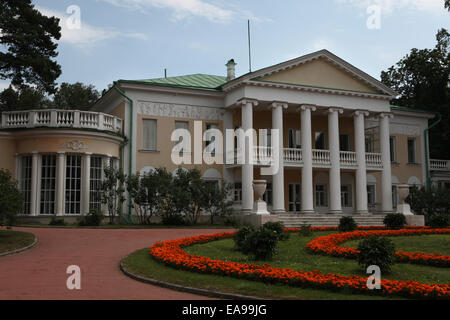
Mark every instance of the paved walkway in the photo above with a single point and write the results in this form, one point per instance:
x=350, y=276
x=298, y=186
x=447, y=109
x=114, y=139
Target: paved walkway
x=40, y=273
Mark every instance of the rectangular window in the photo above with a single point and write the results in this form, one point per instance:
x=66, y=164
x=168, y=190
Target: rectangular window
x=412, y=150
x=25, y=182
x=73, y=184
x=371, y=197
x=321, y=195
x=238, y=192
x=344, y=142
x=295, y=198
x=48, y=184
x=392, y=141
x=320, y=141
x=95, y=201
x=209, y=137
x=149, y=135
x=370, y=144
x=394, y=197
x=268, y=195
x=346, y=196
x=295, y=139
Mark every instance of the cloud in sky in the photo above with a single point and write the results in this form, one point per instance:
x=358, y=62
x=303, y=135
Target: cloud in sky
x=185, y=9
x=87, y=35
x=389, y=6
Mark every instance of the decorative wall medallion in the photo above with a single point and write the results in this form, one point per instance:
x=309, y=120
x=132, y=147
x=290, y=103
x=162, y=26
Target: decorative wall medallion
x=180, y=111
x=75, y=145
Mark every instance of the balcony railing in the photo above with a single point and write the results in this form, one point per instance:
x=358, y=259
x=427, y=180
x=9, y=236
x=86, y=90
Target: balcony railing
x=439, y=165
x=61, y=119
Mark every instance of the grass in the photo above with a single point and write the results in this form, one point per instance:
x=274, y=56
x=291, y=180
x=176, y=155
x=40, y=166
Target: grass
x=291, y=255
x=13, y=240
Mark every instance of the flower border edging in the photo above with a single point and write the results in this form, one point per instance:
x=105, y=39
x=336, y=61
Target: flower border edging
x=35, y=241
x=180, y=288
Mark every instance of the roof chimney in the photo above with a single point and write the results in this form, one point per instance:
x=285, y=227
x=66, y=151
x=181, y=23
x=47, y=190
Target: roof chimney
x=231, y=70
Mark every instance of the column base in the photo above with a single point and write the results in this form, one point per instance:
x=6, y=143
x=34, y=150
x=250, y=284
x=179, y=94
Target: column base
x=335, y=212
x=279, y=211
x=246, y=212
x=308, y=212
x=363, y=212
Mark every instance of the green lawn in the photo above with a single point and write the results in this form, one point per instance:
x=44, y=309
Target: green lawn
x=13, y=240
x=291, y=255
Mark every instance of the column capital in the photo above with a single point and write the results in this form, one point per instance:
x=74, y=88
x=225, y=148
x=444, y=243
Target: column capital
x=277, y=104
x=388, y=115
x=61, y=152
x=88, y=153
x=357, y=113
x=339, y=110
x=35, y=153
x=305, y=107
x=245, y=101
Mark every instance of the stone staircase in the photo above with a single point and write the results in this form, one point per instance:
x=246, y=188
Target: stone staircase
x=327, y=220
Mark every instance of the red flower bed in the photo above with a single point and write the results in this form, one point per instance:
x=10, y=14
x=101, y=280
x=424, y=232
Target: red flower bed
x=172, y=254
x=329, y=245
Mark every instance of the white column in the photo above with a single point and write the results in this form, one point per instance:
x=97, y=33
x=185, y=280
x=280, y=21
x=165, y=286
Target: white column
x=34, y=183
x=307, y=171
x=247, y=167
x=278, y=178
x=227, y=125
x=386, y=177
x=86, y=183
x=335, y=170
x=361, y=171
x=60, y=184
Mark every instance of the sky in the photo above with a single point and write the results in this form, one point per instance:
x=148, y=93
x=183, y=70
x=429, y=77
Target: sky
x=107, y=40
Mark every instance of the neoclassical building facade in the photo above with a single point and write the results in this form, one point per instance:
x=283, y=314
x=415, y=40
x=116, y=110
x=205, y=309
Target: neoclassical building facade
x=343, y=147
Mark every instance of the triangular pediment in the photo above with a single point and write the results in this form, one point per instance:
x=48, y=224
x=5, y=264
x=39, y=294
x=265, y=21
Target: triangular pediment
x=320, y=73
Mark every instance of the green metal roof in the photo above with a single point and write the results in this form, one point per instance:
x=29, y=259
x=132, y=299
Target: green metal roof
x=193, y=81
x=409, y=109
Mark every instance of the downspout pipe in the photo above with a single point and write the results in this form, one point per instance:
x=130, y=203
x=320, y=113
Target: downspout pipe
x=130, y=140
x=427, y=151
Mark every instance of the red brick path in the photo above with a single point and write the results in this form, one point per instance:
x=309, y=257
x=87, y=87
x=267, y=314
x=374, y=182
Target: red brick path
x=40, y=273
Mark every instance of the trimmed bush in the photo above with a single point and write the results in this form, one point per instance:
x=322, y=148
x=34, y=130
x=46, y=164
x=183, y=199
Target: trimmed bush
x=438, y=221
x=57, y=222
x=241, y=239
x=347, y=224
x=305, y=231
x=262, y=244
x=174, y=220
x=92, y=219
x=378, y=251
x=394, y=221
x=278, y=228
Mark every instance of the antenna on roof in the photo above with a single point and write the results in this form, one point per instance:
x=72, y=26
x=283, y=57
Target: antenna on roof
x=249, y=48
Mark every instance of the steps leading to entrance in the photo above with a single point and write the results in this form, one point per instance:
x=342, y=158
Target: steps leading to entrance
x=327, y=220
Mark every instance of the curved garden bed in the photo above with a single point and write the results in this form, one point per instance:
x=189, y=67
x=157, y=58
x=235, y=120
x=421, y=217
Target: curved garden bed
x=171, y=253
x=15, y=241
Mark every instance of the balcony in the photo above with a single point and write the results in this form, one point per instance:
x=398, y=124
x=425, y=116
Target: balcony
x=321, y=158
x=60, y=119
x=439, y=165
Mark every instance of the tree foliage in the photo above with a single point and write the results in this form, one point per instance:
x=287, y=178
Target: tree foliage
x=27, y=45
x=77, y=96
x=422, y=80
x=113, y=190
x=430, y=203
x=11, y=200
x=25, y=98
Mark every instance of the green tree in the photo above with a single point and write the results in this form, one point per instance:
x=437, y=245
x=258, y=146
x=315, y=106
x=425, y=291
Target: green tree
x=422, y=80
x=11, y=200
x=27, y=46
x=25, y=98
x=218, y=202
x=77, y=96
x=113, y=189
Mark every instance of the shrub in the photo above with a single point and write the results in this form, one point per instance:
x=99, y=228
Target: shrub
x=57, y=222
x=438, y=221
x=394, y=221
x=11, y=199
x=241, y=239
x=305, y=231
x=347, y=224
x=174, y=220
x=231, y=221
x=378, y=251
x=92, y=219
x=262, y=243
x=278, y=228
x=429, y=202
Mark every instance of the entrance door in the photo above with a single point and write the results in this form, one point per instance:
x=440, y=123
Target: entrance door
x=295, y=198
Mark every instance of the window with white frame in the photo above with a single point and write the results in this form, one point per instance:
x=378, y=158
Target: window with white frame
x=268, y=195
x=238, y=192
x=344, y=142
x=370, y=144
x=48, y=184
x=73, y=184
x=149, y=135
x=346, y=196
x=295, y=195
x=95, y=200
x=25, y=182
x=393, y=147
x=295, y=137
x=321, y=195
x=371, y=196
x=210, y=137
x=394, y=196
x=320, y=139
x=412, y=159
